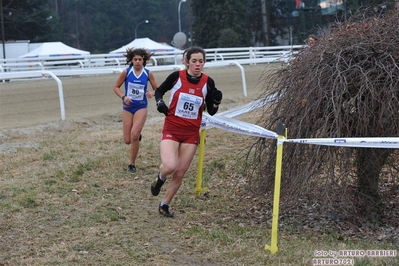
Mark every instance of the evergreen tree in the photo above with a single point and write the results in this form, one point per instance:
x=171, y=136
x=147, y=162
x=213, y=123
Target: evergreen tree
x=217, y=21
x=28, y=20
x=104, y=25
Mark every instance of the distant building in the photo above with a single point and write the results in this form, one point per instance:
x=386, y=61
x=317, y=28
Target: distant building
x=331, y=7
x=16, y=48
x=328, y=7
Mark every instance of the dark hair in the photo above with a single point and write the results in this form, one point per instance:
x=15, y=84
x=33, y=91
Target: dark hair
x=194, y=50
x=131, y=52
x=185, y=53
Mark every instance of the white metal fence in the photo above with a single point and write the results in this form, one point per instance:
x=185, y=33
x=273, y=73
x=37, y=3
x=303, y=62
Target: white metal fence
x=242, y=55
x=27, y=68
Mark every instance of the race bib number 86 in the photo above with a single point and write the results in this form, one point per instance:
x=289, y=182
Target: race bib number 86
x=135, y=91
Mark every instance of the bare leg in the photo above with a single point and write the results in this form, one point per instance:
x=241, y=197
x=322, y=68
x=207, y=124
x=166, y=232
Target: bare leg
x=132, y=126
x=177, y=164
x=139, y=119
x=169, y=157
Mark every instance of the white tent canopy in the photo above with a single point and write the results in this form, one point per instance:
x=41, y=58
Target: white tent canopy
x=149, y=44
x=54, y=49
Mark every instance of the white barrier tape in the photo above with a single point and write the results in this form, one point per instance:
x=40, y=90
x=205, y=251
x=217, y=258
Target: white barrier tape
x=248, y=107
x=281, y=141
x=235, y=112
x=240, y=110
x=224, y=121
x=236, y=126
x=391, y=143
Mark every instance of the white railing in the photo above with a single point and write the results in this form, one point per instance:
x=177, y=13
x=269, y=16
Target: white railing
x=23, y=68
x=268, y=53
x=55, y=74
x=242, y=55
x=39, y=74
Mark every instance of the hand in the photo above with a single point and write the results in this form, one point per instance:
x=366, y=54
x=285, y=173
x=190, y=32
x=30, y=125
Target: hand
x=162, y=108
x=126, y=100
x=217, y=96
x=149, y=94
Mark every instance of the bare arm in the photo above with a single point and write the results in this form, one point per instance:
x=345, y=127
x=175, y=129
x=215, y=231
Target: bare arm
x=119, y=83
x=153, y=85
x=153, y=82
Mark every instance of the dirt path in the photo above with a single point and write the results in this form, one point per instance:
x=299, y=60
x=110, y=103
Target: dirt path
x=66, y=198
x=103, y=216
x=33, y=102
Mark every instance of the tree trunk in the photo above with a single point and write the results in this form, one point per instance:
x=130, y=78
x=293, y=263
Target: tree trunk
x=369, y=166
x=265, y=21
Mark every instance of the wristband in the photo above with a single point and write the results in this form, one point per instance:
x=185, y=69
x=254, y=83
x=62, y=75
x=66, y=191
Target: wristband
x=123, y=97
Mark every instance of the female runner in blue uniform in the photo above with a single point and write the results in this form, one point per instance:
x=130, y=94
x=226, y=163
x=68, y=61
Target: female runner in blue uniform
x=134, y=100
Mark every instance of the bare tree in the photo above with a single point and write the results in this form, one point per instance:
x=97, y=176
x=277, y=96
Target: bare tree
x=346, y=85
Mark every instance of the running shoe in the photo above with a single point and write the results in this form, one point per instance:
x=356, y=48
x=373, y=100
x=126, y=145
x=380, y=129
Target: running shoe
x=164, y=210
x=156, y=186
x=131, y=168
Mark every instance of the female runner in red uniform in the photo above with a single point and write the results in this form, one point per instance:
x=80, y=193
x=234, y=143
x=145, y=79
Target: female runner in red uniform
x=190, y=92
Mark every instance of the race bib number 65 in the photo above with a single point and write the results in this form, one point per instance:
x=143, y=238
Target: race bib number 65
x=188, y=106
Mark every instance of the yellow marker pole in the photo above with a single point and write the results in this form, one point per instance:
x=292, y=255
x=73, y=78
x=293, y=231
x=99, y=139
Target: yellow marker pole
x=198, y=185
x=277, y=182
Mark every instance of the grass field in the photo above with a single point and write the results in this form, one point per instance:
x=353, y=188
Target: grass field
x=66, y=198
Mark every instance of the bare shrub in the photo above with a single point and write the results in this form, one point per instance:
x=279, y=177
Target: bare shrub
x=346, y=85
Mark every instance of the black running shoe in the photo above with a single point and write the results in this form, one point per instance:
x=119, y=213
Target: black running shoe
x=131, y=168
x=164, y=210
x=156, y=186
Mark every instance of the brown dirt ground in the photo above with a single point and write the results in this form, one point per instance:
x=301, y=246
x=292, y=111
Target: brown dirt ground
x=30, y=112
x=32, y=102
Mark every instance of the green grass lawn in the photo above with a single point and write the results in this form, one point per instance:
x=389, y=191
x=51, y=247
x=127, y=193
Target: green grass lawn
x=66, y=199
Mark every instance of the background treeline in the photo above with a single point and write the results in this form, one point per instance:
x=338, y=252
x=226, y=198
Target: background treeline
x=100, y=26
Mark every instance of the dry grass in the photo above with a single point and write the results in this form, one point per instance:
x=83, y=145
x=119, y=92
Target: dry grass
x=66, y=199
